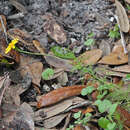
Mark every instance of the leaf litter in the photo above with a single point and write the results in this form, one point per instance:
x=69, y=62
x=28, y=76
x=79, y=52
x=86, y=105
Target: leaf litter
x=28, y=101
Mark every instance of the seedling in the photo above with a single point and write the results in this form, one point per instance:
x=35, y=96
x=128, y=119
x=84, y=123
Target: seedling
x=115, y=32
x=47, y=74
x=89, y=40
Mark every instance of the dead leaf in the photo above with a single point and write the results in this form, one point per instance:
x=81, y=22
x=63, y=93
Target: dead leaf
x=63, y=78
x=39, y=47
x=123, y=18
x=79, y=127
x=104, y=71
x=9, y=112
x=116, y=57
x=125, y=116
x=32, y=67
x=90, y=57
x=58, y=63
x=124, y=68
x=58, y=108
x=105, y=47
x=23, y=118
x=58, y=95
x=54, y=121
x=53, y=29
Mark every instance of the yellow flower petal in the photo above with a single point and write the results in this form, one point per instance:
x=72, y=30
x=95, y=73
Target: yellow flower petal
x=11, y=45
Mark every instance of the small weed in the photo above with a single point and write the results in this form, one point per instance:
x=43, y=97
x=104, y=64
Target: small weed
x=115, y=32
x=47, y=74
x=128, y=7
x=89, y=40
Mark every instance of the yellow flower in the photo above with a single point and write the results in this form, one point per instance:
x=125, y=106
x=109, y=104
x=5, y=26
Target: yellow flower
x=11, y=45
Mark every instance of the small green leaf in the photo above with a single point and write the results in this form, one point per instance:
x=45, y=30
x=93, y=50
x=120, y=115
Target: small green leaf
x=103, y=105
x=103, y=122
x=47, y=74
x=97, y=102
x=115, y=32
x=100, y=96
x=89, y=42
x=62, y=52
x=127, y=77
x=77, y=115
x=87, y=90
x=111, y=126
x=113, y=108
x=90, y=35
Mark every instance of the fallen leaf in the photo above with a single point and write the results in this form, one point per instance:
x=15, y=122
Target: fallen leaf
x=32, y=67
x=104, y=71
x=63, y=78
x=79, y=127
x=88, y=110
x=39, y=47
x=58, y=63
x=58, y=108
x=125, y=116
x=122, y=16
x=54, y=121
x=124, y=68
x=89, y=57
x=105, y=47
x=58, y=95
x=116, y=57
x=53, y=29
x=23, y=118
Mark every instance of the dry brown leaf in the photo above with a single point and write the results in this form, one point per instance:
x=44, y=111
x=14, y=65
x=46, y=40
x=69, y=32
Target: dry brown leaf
x=39, y=47
x=35, y=71
x=123, y=18
x=58, y=108
x=124, y=68
x=53, y=29
x=79, y=127
x=32, y=67
x=58, y=63
x=105, y=71
x=58, y=95
x=125, y=116
x=54, y=121
x=89, y=57
x=116, y=57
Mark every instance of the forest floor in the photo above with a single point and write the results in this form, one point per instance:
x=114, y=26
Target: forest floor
x=64, y=64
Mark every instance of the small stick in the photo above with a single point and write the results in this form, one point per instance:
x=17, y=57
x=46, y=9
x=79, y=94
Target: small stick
x=4, y=29
x=122, y=35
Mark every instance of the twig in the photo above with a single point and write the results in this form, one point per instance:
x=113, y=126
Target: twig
x=4, y=29
x=16, y=16
x=122, y=35
x=6, y=84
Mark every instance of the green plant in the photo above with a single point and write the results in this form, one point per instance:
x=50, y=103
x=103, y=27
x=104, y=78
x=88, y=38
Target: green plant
x=47, y=74
x=128, y=6
x=115, y=32
x=62, y=52
x=112, y=95
x=89, y=40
